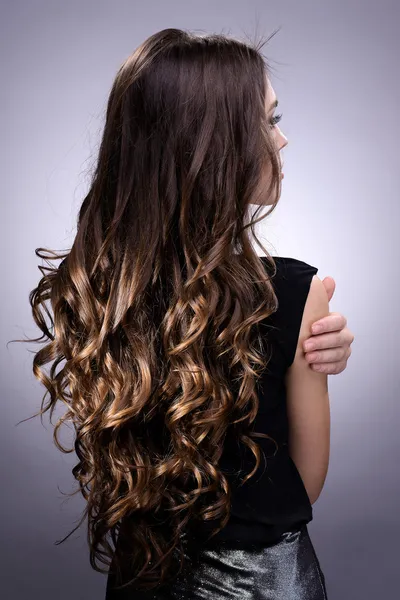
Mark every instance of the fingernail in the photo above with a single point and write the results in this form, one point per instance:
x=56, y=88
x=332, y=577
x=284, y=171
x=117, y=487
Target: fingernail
x=309, y=346
x=316, y=328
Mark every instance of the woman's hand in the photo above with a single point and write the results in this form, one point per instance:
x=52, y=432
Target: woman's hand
x=331, y=343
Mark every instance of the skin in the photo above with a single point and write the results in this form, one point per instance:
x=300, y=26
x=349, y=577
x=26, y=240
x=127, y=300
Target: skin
x=328, y=349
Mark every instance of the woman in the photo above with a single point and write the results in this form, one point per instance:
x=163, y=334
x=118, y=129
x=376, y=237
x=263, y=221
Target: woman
x=202, y=432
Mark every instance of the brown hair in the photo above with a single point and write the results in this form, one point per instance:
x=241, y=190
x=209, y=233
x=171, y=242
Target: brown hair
x=155, y=308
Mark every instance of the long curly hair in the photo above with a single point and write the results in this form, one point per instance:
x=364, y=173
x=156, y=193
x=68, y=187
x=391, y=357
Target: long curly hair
x=151, y=330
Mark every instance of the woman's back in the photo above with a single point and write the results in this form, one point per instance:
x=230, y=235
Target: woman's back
x=275, y=500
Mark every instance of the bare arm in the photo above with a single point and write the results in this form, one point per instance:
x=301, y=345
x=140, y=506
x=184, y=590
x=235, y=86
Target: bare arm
x=308, y=402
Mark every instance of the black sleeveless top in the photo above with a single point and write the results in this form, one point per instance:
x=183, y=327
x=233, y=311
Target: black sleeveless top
x=274, y=500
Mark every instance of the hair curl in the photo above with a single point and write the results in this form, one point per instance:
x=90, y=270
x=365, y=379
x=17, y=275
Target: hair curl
x=155, y=308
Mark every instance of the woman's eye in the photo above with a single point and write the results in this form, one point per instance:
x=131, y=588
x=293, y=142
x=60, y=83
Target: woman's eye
x=275, y=120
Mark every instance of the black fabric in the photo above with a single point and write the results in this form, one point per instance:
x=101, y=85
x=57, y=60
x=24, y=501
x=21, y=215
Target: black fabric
x=292, y=284
x=274, y=499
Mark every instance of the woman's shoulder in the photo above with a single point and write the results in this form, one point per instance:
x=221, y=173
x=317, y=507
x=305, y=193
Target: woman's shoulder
x=290, y=269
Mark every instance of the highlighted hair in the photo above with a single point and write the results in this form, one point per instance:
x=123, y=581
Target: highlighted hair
x=153, y=337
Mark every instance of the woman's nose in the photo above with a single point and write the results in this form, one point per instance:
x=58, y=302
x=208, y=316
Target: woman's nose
x=283, y=141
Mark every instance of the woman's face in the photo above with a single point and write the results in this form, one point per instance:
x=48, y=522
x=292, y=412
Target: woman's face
x=279, y=139
x=271, y=103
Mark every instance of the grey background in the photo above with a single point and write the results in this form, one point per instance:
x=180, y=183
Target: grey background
x=337, y=82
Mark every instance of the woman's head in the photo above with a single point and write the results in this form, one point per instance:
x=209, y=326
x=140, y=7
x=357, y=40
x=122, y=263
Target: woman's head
x=189, y=144
x=157, y=304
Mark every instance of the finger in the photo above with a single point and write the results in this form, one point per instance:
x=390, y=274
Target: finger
x=326, y=340
x=327, y=356
x=322, y=341
x=329, y=368
x=330, y=285
x=332, y=322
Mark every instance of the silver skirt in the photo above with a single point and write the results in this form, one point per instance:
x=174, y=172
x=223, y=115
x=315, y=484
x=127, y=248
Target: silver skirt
x=288, y=569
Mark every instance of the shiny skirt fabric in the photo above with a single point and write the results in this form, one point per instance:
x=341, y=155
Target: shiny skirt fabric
x=288, y=569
